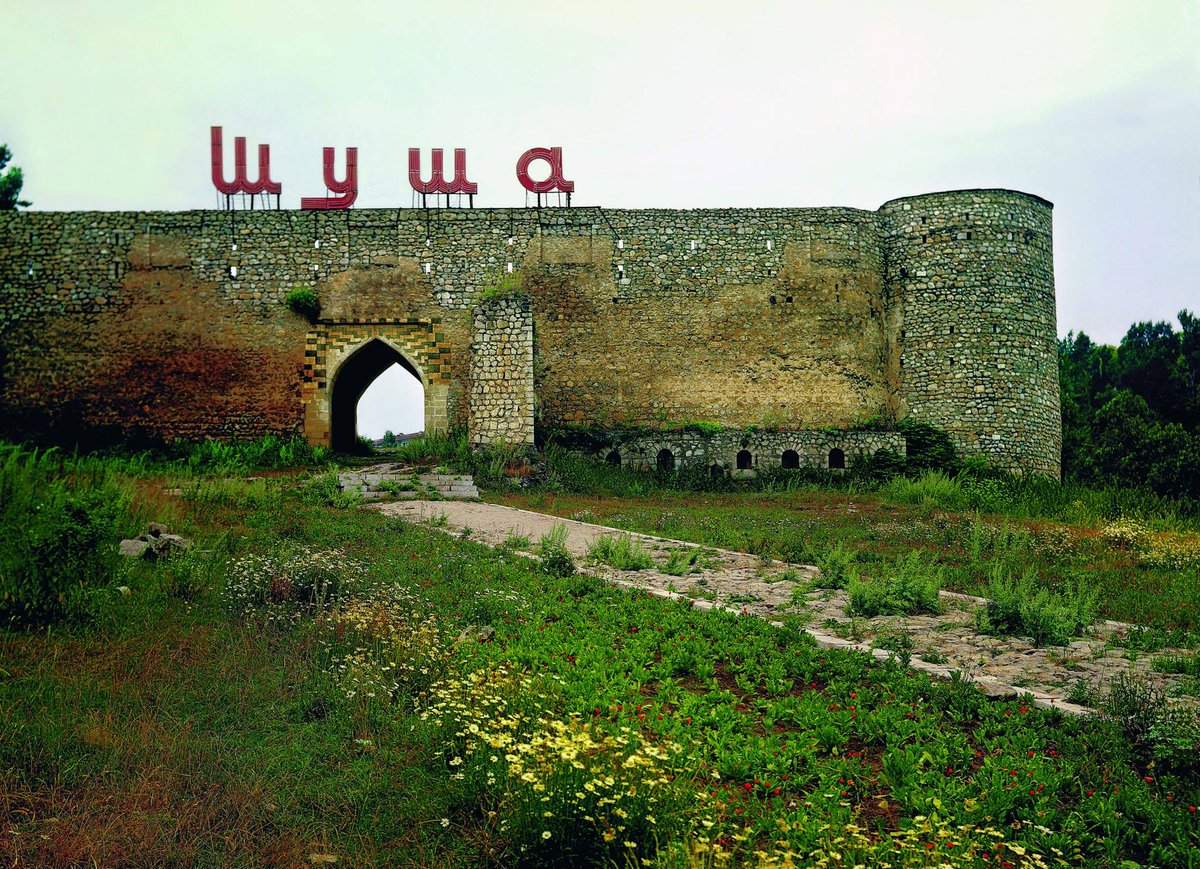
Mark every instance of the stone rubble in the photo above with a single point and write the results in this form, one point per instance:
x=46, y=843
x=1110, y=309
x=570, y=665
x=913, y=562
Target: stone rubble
x=157, y=542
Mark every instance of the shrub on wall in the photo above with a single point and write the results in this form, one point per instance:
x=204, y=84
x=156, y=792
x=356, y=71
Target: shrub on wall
x=508, y=286
x=304, y=302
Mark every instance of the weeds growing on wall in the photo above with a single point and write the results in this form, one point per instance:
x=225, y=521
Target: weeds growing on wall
x=504, y=286
x=304, y=301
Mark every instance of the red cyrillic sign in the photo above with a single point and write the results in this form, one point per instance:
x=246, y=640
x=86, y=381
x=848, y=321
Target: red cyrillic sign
x=240, y=183
x=437, y=182
x=345, y=190
x=553, y=156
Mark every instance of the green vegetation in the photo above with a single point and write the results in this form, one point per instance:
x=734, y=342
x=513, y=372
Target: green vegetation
x=958, y=489
x=517, y=542
x=556, y=558
x=313, y=680
x=505, y=286
x=1188, y=664
x=682, y=561
x=836, y=564
x=304, y=301
x=1131, y=413
x=56, y=552
x=11, y=182
x=908, y=587
x=1017, y=606
x=863, y=531
x=620, y=551
x=225, y=457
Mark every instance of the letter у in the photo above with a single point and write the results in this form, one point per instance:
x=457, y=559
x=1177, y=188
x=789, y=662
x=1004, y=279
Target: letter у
x=348, y=189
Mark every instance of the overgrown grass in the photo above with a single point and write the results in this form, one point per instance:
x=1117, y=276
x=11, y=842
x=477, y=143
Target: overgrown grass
x=61, y=522
x=968, y=490
x=1017, y=606
x=437, y=448
x=866, y=532
x=908, y=587
x=552, y=549
x=1186, y=664
x=231, y=457
x=377, y=727
x=620, y=551
x=836, y=564
x=682, y=561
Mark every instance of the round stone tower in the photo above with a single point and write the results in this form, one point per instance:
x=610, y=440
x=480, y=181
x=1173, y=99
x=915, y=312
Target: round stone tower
x=972, y=272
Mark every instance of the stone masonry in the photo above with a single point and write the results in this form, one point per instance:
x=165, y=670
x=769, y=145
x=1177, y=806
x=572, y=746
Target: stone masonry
x=167, y=325
x=502, y=400
x=752, y=451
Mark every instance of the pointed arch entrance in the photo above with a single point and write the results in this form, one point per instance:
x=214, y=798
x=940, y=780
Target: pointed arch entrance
x=351, y=380
x=342, y=360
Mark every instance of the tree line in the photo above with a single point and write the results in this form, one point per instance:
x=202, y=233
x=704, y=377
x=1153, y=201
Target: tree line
x=1131, y=413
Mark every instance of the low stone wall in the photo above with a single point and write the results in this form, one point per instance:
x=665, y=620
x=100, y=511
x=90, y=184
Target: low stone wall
x=748, y=451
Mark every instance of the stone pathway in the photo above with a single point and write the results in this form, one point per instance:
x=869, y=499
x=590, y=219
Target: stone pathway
x=390, y=480
x=940, y=644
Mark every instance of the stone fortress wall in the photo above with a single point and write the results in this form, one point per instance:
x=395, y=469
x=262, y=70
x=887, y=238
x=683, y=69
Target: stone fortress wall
x=973, y=272
x=749, y=451
x=173, y=324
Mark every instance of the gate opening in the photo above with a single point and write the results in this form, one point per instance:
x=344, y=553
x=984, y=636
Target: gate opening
x=376, y=391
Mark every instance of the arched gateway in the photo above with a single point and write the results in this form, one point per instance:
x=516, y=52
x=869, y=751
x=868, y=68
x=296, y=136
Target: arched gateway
x=343, y=360
x=350, y=381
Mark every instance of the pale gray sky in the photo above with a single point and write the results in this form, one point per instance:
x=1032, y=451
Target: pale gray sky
x=1094, y=105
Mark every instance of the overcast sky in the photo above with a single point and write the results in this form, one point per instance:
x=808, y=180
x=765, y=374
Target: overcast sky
x=1093, y=105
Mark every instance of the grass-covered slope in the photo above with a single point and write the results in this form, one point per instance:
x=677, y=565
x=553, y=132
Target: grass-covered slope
x=315, y=681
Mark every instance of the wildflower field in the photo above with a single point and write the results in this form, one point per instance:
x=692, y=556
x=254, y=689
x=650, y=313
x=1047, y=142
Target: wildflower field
x=316, y=683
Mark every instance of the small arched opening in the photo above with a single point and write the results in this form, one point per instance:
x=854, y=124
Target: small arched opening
x=665, y=461
x=790, y=459
x=614, y=459
x=744, y=460
x=837, y=458
x=715, y=472
x=375, y=390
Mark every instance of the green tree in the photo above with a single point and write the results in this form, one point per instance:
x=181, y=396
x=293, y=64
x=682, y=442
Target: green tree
x=1189, y=341
x=1131, y=413
x=10, y=183
x=1152, y=367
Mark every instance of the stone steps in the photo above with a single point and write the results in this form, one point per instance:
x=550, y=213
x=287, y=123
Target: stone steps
x=403, y=483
